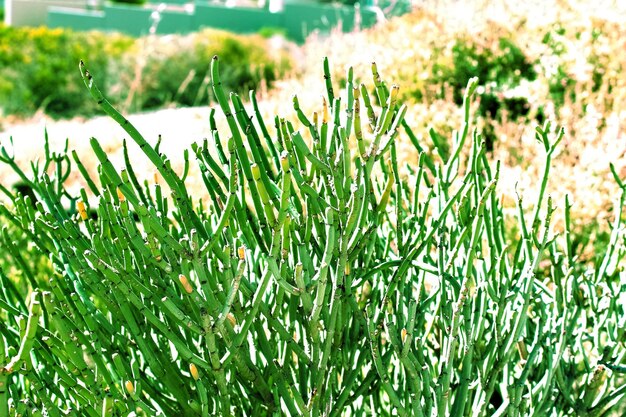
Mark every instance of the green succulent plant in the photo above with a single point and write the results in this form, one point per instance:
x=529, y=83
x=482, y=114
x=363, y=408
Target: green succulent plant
x=317, y=280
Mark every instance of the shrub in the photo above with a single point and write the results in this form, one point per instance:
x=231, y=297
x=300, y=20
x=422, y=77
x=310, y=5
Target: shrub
x=174, y=69
x=130, y=1
x=406, y=49
x=317, y=280
x=559, y=81
x=270, y=31
x=36, y=67
x=501, y=70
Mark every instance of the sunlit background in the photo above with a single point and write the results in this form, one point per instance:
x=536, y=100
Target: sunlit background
x=557, y=61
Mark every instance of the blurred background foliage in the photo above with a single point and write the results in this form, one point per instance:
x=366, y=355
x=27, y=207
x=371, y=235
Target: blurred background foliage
x=38, y=68
x=521, y=64
x=559, y=61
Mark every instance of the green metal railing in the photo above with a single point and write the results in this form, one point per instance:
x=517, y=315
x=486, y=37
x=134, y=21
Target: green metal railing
x=298, y=19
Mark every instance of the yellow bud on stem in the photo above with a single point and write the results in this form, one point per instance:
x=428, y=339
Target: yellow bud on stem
x=231, y=318
x=194, y=371
x=130, y=387
x=185, y=283
x=81, y=210
x=521, y=348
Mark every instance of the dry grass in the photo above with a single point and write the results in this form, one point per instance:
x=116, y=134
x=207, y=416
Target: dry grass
x=594, y=45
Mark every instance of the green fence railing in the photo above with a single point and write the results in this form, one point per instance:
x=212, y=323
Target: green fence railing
x=297, y=19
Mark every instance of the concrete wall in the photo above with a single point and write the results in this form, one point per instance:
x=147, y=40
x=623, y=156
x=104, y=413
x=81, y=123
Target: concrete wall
x=77, y=19
x=240, y=19
x=34, y=12
x=298, y=17
x=302, y=18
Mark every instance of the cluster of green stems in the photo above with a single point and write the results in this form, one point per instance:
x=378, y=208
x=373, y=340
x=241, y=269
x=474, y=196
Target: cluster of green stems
x=317, y=277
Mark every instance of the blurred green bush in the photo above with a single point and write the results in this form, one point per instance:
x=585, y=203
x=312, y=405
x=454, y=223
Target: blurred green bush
x=500, y=68
x=174, y=69
x=24, y=265
x=38, y=66
x=130, y=1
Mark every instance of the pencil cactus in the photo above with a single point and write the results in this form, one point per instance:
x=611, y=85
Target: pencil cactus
x=318, y=281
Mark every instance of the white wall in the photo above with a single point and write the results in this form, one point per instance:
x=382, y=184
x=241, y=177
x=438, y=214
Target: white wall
x=34, y=12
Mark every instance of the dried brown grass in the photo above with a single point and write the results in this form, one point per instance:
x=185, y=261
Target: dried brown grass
x=406, y=50
x=594, y=40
